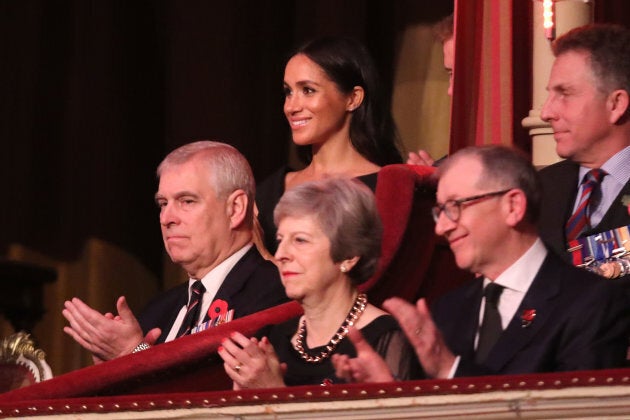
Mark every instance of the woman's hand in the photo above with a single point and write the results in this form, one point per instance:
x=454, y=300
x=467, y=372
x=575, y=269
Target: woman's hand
x=251, y=363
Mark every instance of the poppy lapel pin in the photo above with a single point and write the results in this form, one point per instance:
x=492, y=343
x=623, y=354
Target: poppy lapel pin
x=527, y=317
x=217, y=311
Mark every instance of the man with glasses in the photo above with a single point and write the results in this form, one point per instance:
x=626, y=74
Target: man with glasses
x=527, y=311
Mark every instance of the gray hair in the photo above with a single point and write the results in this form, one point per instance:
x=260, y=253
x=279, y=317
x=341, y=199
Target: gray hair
x=346, y=212
x=503, y=167
x=228, y=170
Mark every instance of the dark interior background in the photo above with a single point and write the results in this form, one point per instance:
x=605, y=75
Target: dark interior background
x=94, y=93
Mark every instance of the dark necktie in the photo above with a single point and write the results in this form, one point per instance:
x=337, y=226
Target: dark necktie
x=580, y=219
x=491, y=327
x=194, y=307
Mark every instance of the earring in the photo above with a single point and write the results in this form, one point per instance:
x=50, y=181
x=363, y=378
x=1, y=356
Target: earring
x=343, y=268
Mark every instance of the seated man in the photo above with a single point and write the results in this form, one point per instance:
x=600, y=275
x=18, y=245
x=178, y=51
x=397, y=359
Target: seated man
x=206, y=199
x=539, y=314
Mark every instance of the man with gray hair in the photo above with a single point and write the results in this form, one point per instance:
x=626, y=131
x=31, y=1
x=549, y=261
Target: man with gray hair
x=206, y=199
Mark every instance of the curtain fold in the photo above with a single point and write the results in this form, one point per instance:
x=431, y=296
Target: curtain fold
x=482, y=106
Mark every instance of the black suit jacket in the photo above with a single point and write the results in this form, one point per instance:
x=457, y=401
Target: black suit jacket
x=251, y=286
x=582, y=322
x=559, y=182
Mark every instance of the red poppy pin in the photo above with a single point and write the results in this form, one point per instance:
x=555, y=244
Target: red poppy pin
x=527, y=317
x=218, y=309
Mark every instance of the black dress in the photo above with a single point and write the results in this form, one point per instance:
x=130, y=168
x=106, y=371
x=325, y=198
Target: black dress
x=268, y=194
x=383, y=334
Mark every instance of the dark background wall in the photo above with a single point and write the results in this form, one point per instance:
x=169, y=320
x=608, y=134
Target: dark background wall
x=95, y=93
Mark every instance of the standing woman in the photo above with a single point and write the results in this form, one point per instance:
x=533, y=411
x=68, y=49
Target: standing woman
x=329, y=236
x=339, y=119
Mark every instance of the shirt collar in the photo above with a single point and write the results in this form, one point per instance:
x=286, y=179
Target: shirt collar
x=616, y=167
x=218, y=273
x=520, y=275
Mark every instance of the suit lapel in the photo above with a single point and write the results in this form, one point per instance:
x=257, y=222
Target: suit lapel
x=471, y=316
x=540, y=297
x=559, y=192
x=567, y=188
x=459, y=318
x=237, y=277
x=616, y=216
x=172, y=308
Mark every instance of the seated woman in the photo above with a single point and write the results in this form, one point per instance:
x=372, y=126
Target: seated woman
x=329, y=236
x=339, y=117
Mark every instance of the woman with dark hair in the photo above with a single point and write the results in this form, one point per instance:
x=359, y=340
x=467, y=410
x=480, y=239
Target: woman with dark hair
x=339, y=119
x=329, y=235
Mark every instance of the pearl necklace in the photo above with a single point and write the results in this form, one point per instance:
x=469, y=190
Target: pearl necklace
x=357, y=309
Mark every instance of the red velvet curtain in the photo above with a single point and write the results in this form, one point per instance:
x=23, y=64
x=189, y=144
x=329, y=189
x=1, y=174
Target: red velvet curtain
x=492, y=85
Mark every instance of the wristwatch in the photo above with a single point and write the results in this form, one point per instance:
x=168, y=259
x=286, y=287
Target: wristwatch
x=140, y=347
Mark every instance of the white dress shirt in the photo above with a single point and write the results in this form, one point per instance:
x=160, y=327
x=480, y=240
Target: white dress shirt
x=516, y=280
x=212, y=282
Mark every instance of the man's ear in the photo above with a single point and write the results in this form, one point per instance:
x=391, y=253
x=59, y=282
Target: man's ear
x=618, y=102
x=514, y=206
x=236, y=208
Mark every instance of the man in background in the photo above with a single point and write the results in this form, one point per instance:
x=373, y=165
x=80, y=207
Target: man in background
x=444, y=33
x=588, y=109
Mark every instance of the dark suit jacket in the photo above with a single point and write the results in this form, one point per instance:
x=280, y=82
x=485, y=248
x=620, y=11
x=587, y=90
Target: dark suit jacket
x=251, y=286
x=559, y=182
x=582, y=322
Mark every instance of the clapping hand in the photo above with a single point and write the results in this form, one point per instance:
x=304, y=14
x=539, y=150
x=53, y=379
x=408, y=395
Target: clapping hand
x=251, y=363
x=106, y=336
x=368, y=366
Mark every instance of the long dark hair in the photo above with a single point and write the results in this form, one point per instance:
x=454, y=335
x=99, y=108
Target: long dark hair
x=348, y=64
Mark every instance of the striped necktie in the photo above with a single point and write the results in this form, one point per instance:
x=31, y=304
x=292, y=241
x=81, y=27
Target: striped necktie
x=192, y=311
x=580, y=219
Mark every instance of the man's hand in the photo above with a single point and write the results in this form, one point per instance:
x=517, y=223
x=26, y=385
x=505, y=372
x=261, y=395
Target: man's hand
x=420, y=158
x=106, y=336
x=427, y=341
x=368, y=366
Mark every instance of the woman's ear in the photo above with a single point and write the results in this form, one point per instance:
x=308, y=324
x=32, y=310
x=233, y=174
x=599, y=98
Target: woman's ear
x=348, y=264
x=356, y=98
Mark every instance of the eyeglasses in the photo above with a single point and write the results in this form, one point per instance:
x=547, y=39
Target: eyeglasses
x=453, y=208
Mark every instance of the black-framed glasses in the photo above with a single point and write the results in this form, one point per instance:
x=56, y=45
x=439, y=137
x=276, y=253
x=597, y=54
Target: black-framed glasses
x=453, y=208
